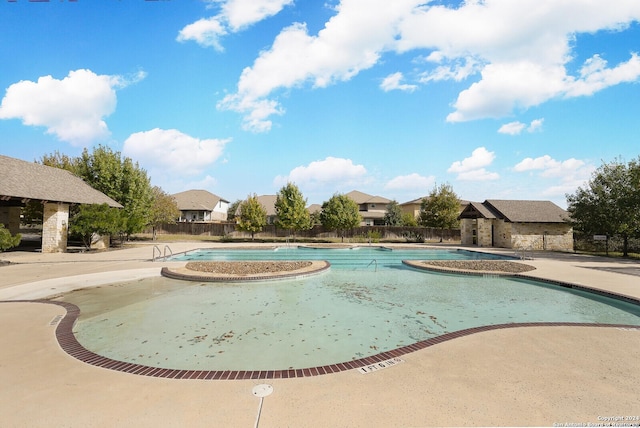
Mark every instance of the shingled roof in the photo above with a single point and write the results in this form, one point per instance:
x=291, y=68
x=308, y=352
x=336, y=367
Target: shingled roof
x=516, y=211
x=21, y=180
x=197, y=200
x=363, y=198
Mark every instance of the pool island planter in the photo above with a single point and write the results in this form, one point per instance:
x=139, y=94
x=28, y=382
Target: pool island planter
x=315, y=267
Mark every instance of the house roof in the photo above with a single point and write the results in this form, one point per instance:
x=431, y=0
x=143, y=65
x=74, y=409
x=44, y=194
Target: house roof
x=197, y=200
x=363, y=198
x=314, y=208
x=418, y=201
x=269, y=203
x=516, y=211
x=28, y=180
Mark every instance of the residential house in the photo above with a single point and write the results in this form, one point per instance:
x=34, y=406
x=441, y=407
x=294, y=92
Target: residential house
x=269, y=204
x=371, y=208
x=200, y=205
x=413, y=207
x=533, y=225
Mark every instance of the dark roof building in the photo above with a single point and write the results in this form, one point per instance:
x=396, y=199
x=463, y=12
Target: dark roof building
x=525, y=225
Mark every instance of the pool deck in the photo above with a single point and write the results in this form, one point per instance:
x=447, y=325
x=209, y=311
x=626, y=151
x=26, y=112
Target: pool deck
x=529, y=376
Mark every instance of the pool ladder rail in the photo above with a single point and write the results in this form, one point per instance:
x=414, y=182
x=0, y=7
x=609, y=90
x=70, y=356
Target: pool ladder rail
x=521, y=253
x=161, y=255
x=374, y=261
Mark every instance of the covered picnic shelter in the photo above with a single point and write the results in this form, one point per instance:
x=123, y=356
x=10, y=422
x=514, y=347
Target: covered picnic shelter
x=55, y=188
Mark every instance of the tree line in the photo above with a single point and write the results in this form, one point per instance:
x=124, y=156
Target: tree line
x=340, y=213
x=608, y=204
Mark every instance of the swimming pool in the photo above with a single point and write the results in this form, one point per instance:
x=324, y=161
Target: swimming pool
x=349, y=313
x=349, y=258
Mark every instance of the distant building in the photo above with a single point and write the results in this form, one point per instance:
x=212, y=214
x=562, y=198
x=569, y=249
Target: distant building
x=413, y=207
x=200, y=205
x=269, y=204
x=534, y=225
x=371, y=208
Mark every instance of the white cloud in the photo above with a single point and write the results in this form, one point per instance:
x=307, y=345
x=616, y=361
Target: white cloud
x=520, y=58
x=566, y=175
x=330, y=171
x=411, y=181
x=206, y=32
x=351, y=41
x=473, y=167
x=535, y=125
x=516, y=128
x=393, y=82
x=169, y=151
x=73, y=109
x=234, y=16
x=512, y=128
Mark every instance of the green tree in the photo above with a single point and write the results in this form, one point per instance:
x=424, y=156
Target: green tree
x=232, y=211
x=409, y=220
x=122, y=180
x=164, y=209
x=609, y=204
x=6, y=240
x=340, y=213
x=253, y=216
x=95, y=218
x=291, y=209
x=393, y=215
x=440, y=209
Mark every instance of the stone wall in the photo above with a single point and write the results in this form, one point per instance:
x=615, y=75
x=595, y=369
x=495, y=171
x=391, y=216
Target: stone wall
x=54, y=227
x=10, y=217
x=484, y=232
x=542, y=236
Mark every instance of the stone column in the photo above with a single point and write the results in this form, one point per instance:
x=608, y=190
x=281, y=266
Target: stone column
x=10, y=217
x=55, y=225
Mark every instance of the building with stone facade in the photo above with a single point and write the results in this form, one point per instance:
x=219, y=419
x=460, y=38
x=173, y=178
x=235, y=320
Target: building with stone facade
x=55, y=188
x=526, y=225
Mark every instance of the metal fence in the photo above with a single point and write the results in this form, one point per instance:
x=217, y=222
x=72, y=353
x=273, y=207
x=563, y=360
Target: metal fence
x=614, y=244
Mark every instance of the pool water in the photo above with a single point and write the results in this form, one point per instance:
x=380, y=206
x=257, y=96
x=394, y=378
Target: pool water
x=350, y=258
x=341, y=315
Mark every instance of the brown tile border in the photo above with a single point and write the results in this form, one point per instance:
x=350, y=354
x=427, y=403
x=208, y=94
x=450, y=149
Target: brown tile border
x=71, y=346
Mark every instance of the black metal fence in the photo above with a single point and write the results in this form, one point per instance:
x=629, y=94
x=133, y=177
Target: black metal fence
x=614, y=244
x=364, y=233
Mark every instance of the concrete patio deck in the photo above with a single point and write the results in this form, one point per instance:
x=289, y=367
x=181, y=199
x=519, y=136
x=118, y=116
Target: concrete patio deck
x=537, y=376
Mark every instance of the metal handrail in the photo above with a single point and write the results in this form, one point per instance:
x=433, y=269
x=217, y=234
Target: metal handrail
x=153, y=257
x=373, y=261
x=166, y=247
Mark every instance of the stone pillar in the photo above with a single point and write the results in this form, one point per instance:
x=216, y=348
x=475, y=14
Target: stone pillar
x=55, y=224
x=10, y=217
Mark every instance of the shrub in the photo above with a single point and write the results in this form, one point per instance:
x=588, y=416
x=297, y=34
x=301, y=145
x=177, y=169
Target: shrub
x=6, y=240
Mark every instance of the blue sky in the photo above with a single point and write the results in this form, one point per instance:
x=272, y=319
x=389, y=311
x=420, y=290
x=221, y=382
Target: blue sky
x=501, y=99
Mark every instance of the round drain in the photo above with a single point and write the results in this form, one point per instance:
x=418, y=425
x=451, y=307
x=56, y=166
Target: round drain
x=262, y=390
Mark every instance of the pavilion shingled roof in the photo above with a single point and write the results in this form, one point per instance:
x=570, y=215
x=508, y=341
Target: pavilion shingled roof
x=27, y=180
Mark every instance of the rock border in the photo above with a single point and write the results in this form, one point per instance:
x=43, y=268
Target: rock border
x=183, y=273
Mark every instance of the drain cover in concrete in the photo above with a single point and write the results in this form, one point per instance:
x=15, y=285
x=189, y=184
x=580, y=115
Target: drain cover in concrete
x=262, y=390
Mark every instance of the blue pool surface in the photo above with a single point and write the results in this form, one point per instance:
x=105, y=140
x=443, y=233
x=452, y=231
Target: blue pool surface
x=350, y=258
x=350, y=312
